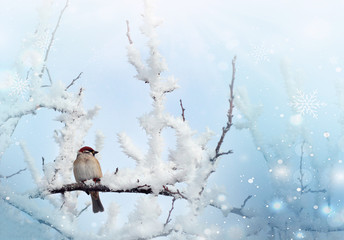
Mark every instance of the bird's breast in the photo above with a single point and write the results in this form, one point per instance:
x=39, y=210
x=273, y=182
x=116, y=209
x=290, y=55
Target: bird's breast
x=86, y=167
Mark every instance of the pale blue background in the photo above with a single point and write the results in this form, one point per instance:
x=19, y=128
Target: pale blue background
x=198, y=40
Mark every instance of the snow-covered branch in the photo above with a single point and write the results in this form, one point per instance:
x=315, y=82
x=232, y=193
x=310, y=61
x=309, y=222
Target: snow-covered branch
x=143, y=189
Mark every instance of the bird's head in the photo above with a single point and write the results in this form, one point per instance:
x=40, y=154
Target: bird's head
x=87, y=150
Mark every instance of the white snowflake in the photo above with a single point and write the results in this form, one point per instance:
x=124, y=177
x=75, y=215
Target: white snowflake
x=306, y=103
x=19, y=86
x=259, y=53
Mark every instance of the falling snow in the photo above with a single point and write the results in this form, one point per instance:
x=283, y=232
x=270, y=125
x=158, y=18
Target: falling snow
x=306, y=103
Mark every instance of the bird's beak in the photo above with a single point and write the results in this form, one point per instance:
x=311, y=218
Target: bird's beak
x=95, y=152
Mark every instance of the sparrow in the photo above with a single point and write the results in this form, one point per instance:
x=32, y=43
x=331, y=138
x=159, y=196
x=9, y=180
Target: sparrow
x=85, y=167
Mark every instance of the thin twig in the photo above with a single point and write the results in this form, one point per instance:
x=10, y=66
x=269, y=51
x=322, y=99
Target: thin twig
x=53, y=38
x=13, y=174
x=301, y=168
x=315, y=191
x=168, y=220
x=237, y=210
x=82, y=210
x=49, y=76
x=302, y=174
x=174, y=193
x=43, y=164
x=128, y=33
x=28, y=73
x=74, y=80
x=183, y=109
x=245, y=201
x=229, y=116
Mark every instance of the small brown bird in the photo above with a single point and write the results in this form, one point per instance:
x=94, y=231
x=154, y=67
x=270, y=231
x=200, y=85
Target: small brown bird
x=86, y=167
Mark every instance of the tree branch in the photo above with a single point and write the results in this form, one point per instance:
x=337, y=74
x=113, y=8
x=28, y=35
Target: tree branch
x=229, y=116
x=13, y=174
x=74, y=80
x=168, y=220
x=145, y=189
x=237, y=211
x=128, y=33
x=53, y=38
x=84, y=209
x=183, y=109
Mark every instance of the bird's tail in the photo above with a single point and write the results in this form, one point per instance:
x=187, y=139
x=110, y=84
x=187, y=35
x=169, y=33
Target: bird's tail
x=97, y=205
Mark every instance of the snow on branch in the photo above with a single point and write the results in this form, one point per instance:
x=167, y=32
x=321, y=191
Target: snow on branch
x=142, y=189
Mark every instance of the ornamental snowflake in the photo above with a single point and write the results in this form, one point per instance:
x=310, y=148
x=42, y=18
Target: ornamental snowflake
x=259, y=53
x=19, y=86
x=306, y=103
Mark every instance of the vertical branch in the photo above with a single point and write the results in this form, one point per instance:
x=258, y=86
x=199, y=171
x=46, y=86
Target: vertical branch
x=170, y=212
x=301, y=168
x=53, y=38
x=128, y=33
x=183, y=109
x=229, y=116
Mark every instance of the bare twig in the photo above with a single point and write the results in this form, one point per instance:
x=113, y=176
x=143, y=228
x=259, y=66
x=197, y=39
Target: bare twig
x=49, y=76
x=74, y=80
x=82, y=210
x=43, y=164
x=301, y=168
x=229, y=116
x=128, y=33
x=80, y=92
x=183, y=109
x=238, y=211
x=302, y=174
x=245, y=201
x=13, y=174
x=53, y=38
x=173, y=193
x=168, y=220
x=315, y=191
x=28, y=73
